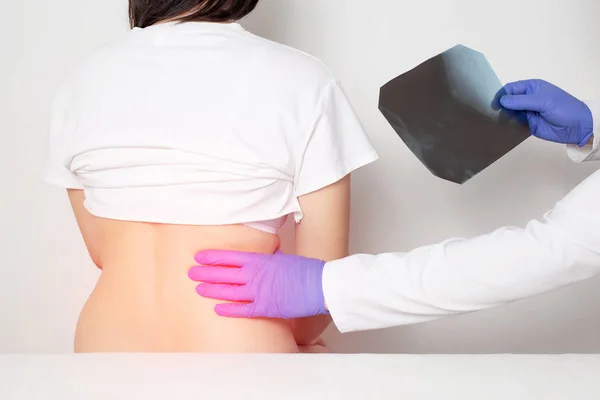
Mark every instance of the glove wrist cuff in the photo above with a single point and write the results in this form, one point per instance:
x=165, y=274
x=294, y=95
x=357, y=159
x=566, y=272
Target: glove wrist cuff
x=319, y=267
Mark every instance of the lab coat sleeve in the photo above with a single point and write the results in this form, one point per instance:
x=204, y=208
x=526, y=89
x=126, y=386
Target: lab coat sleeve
x=589, y=152
x=458, y=276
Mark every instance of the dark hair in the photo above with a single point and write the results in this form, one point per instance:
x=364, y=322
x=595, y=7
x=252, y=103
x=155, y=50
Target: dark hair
x=143, y=13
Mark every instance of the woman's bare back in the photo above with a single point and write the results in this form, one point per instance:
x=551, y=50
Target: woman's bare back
x=145, y=302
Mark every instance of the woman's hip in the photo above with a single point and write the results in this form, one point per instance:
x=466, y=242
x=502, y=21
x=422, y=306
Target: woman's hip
x=122, y=315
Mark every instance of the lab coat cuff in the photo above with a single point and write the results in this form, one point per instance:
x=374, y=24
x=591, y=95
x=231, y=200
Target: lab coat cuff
x=588, y=152
x=333, y=281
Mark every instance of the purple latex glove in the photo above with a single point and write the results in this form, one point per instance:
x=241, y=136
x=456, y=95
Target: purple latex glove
x=269, y=285
x=552, y=113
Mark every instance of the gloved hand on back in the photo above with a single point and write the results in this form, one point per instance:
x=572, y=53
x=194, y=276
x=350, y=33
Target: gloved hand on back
x=263, y=285
x=552, y=113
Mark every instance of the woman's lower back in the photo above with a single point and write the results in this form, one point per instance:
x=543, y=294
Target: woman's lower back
x=145, y=302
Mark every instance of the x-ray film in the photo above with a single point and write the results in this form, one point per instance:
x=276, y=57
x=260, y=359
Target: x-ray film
x=446, y=111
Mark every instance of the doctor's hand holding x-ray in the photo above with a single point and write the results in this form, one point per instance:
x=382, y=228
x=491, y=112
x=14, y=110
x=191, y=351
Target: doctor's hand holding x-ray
x=452, y=277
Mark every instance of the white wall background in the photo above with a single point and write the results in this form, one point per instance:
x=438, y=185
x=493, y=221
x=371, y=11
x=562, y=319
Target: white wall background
x=397, y=204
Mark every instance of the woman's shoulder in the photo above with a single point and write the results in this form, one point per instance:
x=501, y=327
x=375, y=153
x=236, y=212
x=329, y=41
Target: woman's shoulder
x=292, y=66
x=96, y=61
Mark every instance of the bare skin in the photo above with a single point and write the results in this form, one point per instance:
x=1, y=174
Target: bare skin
x=144, y=301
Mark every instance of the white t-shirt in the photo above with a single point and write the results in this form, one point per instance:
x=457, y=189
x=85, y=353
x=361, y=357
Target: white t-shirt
x=201, y=123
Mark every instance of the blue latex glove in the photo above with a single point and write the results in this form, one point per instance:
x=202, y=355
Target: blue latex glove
x=552, y=113
x=266, y=285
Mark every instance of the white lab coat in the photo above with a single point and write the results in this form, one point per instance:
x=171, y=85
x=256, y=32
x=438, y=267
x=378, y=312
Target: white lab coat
x=462, y=275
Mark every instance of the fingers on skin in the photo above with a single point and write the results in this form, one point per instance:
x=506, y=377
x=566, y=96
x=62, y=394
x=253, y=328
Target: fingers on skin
x=223, y=258
x=231, y=275
x=224, y=292
x=234, y=310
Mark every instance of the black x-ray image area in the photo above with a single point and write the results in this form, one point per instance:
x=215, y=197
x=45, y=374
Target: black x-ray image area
x=446, y=111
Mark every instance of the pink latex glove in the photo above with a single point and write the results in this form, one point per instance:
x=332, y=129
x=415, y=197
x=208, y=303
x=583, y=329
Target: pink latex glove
x=267, y=285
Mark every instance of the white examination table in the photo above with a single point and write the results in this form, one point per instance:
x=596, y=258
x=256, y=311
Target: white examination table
x=183, y=376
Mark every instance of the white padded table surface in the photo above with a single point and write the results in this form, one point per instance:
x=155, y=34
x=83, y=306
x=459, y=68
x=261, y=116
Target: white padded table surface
x=200, y=376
